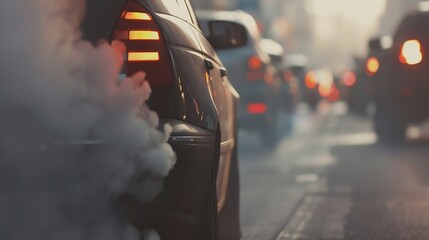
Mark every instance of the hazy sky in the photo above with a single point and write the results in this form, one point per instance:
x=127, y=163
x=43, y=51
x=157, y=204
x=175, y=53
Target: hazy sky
x=363, y=12
x=341, y=28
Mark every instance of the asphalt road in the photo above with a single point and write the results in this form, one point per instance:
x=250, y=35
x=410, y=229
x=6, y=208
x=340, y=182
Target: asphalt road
x=330, y=179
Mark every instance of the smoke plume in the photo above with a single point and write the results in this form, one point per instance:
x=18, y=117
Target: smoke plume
x=73, y=138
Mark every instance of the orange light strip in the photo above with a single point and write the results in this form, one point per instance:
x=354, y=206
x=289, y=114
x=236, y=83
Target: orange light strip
x=143, y=35
x=310, y=80
x=256, y=108
x=137, y=16
x=254, y=62
x=143, y=56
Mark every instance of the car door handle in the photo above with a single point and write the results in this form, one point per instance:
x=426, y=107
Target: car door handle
x=223, y=72
x=209, y=64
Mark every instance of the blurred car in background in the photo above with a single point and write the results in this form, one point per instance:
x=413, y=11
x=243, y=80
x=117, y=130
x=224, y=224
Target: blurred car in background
x=402, y=90
x=192, y=93
x=289, y=83
x=250, y=71
x=308, y=85
x=361, y=92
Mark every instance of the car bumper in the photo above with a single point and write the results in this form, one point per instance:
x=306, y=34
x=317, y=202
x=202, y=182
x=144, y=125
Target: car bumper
x=175, y=212
x=409, y=93
x=254, y=121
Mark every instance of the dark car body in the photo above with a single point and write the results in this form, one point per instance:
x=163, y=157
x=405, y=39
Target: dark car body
x=191, y=93
x=307, y=81
x=403, y=84
x=289, y=94
x=252, y=74
x=361, y=94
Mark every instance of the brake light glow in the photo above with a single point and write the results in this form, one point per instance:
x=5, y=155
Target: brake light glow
x=143, y=35
x=325, y=89
x=372, y=66
x=137, y=16
x=143, y=56
x=310, y=80
x=146, y=46
x=411, y=52
x=255, y=62
x=334, y=95
x=349, y=78
x=257, y=108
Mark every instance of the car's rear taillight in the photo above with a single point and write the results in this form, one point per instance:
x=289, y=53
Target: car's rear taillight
x=146, y=46
x=411, y=52
x=372, y=66
x=256, y=108
x=349, y=78
x=254, y=63
x=310, y=80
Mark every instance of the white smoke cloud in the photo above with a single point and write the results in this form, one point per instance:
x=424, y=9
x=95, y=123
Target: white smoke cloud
x=72, y=137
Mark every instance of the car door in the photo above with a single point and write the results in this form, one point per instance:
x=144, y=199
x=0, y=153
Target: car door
x=223, y=96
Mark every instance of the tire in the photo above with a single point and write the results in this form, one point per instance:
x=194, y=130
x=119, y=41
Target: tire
x=209, y=213
x=229, y=216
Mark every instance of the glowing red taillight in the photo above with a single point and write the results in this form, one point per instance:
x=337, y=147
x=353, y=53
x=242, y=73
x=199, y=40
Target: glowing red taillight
x=310, y=80
x=143, y=56
x=349, y=78
x=143, y=35
x=137, y=16
x=146, y=46
x=254, y=63
x=372, y=66
x=411, y=52
x=256, y=108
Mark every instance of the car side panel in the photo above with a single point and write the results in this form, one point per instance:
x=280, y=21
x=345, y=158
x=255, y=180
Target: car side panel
x=194, y=102
x=403, y=86
x=224, y=98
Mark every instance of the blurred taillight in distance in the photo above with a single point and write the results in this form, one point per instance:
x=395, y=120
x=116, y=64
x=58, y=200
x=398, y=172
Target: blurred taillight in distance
x=256, y=108
x=310, y=80
x=372, y=66
x=334, y=95
x=349, y=78
x=411, y=52
x=256, y=71
x=254, y=63
x=325, y=90
x=146, y=47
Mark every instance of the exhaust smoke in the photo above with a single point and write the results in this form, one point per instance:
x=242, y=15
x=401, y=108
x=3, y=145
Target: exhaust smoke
x=73, y=138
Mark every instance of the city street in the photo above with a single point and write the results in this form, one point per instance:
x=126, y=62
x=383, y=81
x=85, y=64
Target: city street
x=331, y=180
